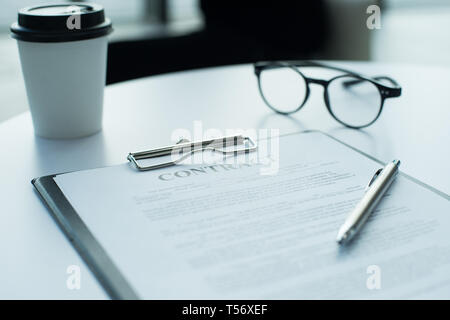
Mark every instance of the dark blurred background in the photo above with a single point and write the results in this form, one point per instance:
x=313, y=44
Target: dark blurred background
x=232, y=32
x=158, y=36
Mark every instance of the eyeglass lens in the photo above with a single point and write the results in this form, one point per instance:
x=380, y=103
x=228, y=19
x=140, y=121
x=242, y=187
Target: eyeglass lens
x=284, y=89
x=354, y=101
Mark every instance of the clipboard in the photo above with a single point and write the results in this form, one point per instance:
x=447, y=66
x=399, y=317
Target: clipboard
x=83, y=240
x=91, y=251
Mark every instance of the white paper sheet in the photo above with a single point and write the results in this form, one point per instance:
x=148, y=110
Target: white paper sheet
x=230, y=232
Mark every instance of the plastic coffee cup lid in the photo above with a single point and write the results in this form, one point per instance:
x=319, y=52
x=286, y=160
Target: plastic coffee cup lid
x=61, y=22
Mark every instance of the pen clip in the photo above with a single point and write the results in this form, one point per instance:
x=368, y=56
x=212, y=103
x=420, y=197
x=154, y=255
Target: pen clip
x=375, y=176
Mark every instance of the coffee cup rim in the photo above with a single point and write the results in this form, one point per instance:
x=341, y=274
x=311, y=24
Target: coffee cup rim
x=98, y=25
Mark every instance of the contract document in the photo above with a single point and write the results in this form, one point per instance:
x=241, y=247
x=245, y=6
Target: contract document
x=227, y=231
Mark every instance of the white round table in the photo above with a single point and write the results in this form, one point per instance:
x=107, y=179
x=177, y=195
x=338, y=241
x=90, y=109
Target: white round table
x=145, y=113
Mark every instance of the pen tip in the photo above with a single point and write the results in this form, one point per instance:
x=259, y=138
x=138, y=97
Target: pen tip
x=341, y=238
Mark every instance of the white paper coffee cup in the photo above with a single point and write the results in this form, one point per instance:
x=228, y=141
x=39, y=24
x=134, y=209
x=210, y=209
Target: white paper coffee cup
x=63, y=53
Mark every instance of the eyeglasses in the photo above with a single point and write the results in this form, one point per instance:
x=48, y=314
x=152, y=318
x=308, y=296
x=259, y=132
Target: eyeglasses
x=352, y=99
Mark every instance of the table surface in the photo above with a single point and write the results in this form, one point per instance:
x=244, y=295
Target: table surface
x=146, y=113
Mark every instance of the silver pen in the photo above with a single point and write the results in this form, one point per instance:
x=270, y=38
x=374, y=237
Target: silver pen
x=377, y=187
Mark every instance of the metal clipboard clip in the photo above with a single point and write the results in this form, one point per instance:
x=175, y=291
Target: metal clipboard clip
x=185, y=148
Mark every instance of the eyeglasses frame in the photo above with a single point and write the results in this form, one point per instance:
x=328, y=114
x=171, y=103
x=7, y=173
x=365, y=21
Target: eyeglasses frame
x=384, y=90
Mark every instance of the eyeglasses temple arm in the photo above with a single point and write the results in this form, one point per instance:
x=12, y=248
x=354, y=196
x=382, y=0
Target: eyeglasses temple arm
x=323, y=65
x=389, y=92
x=300, y=63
